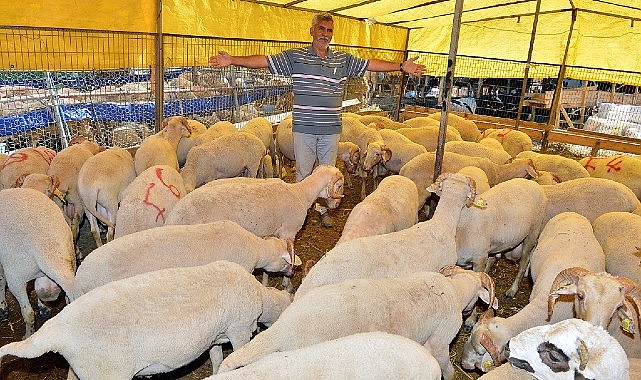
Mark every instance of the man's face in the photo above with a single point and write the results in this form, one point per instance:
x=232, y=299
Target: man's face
x=322, y=34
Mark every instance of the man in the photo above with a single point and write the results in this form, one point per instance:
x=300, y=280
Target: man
x=318, y=75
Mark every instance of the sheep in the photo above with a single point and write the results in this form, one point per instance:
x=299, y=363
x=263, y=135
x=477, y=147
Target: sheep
x=161, y=148
x=598, y=296
x=427, y=246
x=182, y=245
x=266, y=207
x=467, y=128
x=623, y=169
x=565, y=168
x=147, y=200
x=46, y=184
x=420, y=169
x=393, y=206
x=381, y=122
x=546, y=178
x=492, y=143
x=403, y=150
x=371, y=145
x=117, y=332
x=568, y=350
x=566, y=241
x=263, y=129
x=619, y=233
x=218, y=129
x=367, y=355
x=590, y=197
x=348, y=152
x=24, y=161
x=428, y=136
x=424, y=306
x=510, y=223
x=423, y=121
x=238, y=154
x=101, y=181
x=512, y=140
x=36, y=242
x=66, y=167
x=476, y=149
x=479, y=177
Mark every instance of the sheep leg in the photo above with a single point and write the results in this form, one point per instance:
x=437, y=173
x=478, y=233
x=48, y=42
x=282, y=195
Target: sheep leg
x=43, y=311
x=441, y=353
x=19, y=290
x=363, y=185
x=287, y=284
x=4, y=310
x=216, y=357
x=490, y=263
x=265, y=279
x=524, y=263
x=95, y=229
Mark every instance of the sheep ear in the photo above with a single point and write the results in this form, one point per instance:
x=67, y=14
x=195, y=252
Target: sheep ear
x=567, y=289
x=20, y=180
x=484, y=295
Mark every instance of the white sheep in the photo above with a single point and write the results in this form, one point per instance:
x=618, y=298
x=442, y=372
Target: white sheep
x=565, y=168
x=470, y=148
x=101, y=181
x=420, y=169
x=36, y=242
x=428, y=135
x=66, y=167
x=218, y=129
x=148, y=199
x=161, y=148
x=512, y=140
x=380, y=122
x=479, y=177
x=371, y=146
x=22, y=162
x=492, y=143
x=568, y=350
x=266, y=207
x=566, y=241
x=590, y=197
x=367, y=355
x=423, y=121
x=263, y=129
x=424, y=306
x=403, y=150
x=507, y=372
x=182, y=245
x=47, y=184
x=117, y=331
x=619, y=233
x=232, y=155
x=393, y=206
x=510, y=223
x=620, y=168
x=467, y=128
x=428, y=245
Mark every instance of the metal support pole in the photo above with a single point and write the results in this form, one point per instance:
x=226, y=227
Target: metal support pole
x=526, y=74
x=65, y=135
x=159, y=71
x=446, y=94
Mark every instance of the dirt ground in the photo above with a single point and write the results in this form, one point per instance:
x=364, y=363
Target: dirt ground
x=312, y=242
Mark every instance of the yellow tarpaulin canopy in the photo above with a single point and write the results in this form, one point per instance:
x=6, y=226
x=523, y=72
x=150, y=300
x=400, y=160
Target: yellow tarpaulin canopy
x=602, y=39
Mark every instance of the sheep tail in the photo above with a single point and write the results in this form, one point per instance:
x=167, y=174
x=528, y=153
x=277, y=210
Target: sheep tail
x=91, y=207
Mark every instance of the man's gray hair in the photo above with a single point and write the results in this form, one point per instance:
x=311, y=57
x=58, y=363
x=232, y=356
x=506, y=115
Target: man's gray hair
x=325, y=16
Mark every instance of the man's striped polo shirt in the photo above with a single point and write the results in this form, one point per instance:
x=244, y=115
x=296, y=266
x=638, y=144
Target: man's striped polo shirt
x=318, y=86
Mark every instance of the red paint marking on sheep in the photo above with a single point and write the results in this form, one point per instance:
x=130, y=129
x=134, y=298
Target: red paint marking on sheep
x=588, y=164
x=504, y=132
x=15, y=158
x=161, y=211
x=171, y=187
x=46, y=154
x=615, y=164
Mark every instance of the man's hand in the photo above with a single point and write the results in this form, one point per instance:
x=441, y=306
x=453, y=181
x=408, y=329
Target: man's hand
x=221, y=60
x=413, y=68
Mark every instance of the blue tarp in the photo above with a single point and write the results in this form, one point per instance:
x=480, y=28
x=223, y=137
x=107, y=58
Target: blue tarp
x=132, y=112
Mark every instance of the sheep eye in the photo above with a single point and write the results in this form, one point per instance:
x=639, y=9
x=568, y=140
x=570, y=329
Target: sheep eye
x=580, y=296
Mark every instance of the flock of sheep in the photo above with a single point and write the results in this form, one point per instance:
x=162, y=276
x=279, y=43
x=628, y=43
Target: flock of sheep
x=197, y=210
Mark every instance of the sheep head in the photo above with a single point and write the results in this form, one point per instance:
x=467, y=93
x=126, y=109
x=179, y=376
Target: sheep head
x=335, y=189
x=376, y=153
x=483, y=348
x=176, y=125
x=472, y=198
x=564, y=283
x=485, y=293
x=570, y=349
